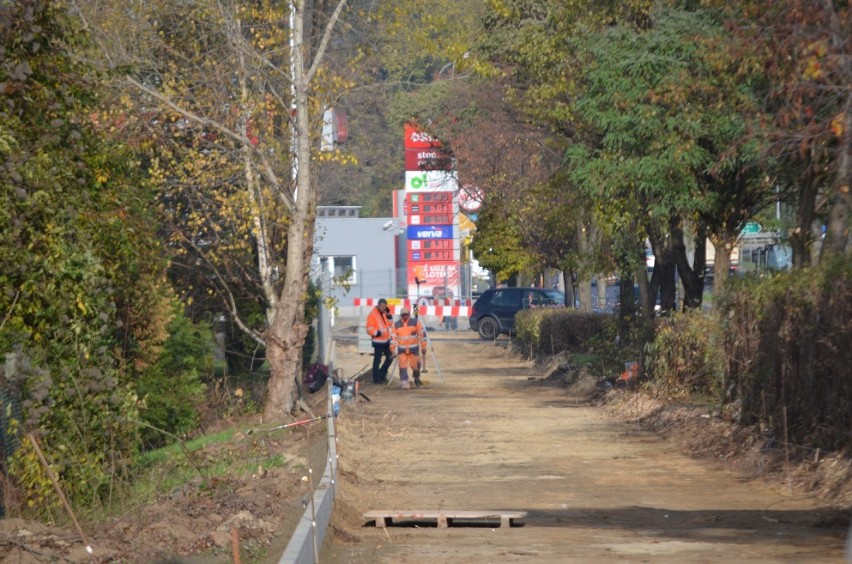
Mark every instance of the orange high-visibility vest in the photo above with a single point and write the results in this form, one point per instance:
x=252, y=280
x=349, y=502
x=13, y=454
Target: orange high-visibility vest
x=409, y=337
x=379, y=326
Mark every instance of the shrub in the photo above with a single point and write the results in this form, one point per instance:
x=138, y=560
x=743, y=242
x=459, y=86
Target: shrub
x=686, y=356
x=171, y=388
x=550, y=331
x=789, y=347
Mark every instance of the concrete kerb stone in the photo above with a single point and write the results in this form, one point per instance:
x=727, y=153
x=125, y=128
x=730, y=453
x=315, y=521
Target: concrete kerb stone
x=307, y=539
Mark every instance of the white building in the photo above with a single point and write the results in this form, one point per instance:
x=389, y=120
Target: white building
x=360, y=253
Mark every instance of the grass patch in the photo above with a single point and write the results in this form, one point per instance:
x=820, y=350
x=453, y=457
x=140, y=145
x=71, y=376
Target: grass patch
x=166, y=470
x=584, y=359
x=165, y=453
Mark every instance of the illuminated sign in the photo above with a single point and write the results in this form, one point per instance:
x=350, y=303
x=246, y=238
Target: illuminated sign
x=429, y=232
x=416, y=139
x=431, y=181
x=432, y=197
x=427, y=159
x=440, y=207
x=432, y=219
x=427, y=256
x=431, y=245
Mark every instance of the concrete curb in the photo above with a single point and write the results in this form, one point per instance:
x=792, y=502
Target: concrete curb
x=307, y=539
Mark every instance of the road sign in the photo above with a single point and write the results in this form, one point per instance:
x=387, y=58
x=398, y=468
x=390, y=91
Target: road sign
x=752, y=227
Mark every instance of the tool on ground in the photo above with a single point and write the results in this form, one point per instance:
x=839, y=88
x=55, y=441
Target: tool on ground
x=288, y=425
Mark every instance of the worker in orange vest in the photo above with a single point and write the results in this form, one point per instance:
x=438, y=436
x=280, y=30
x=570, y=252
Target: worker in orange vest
x=408, y=343
x=379, y=326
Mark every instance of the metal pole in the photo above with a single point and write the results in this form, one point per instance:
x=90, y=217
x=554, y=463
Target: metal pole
x=432, y=350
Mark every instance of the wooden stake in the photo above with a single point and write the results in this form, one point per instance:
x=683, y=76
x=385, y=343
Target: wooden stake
x=787, y=453
x=235, y=544
x=59, y=492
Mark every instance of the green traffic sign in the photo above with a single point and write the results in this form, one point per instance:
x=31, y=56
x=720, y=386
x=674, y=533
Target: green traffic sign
x=752, y=227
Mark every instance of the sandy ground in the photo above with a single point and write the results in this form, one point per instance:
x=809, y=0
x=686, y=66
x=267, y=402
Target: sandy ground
x=492, y=434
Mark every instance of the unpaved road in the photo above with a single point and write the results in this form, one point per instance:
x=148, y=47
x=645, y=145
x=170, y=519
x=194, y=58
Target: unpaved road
x=493, y=435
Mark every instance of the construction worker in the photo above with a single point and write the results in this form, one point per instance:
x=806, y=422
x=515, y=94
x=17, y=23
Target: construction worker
x=379, y=327
x=409, y=341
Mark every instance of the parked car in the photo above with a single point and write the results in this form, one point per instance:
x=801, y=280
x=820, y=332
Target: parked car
x=494, y=312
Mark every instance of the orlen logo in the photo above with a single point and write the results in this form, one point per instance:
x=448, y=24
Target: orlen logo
x=421, y=137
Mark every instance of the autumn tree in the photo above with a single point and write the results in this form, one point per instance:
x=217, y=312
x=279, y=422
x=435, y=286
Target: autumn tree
x=233, y=93
x=803, y=46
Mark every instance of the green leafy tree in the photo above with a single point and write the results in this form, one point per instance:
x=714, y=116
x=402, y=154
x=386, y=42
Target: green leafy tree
x=672, y=148
x=80, y=268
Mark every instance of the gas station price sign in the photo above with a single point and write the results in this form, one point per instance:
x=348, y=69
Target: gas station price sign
x=431, y=245
x=416, y=208
x=428, y=197
x=436, y=219
x=425, y=256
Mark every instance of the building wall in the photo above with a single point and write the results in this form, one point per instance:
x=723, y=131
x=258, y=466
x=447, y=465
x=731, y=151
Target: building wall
x=374, y=251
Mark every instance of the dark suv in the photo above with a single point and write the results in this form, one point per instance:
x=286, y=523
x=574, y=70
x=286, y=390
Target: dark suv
x=494, y=312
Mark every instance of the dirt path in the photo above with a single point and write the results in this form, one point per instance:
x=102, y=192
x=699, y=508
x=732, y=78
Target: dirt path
x=495, y=436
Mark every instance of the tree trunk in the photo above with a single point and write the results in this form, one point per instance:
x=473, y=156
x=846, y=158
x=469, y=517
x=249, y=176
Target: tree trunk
x=584, y=282
x=663, y=278
x=285, y=336
x=800, y=237
x=837, y=230
x=722, y=262
x=602, y=292
x=644, y=292
x=627, y=309
x=568, y=278
x=691, y=276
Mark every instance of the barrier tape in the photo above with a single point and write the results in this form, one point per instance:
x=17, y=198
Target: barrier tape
x=395, y=305
x=424, y=301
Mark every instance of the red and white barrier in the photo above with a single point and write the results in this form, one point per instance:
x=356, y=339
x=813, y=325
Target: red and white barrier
x=442, y=310
x=439, y=311
x=423, y=301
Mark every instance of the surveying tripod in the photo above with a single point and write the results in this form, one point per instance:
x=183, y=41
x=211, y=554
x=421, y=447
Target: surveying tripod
x=392, y=371
x=428, y=343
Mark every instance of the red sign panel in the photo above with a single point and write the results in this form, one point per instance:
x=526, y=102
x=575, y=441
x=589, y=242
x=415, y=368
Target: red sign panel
x=430, y=208
x=427, y=159
x=436, y=278
x=416, y=139
x=430, y=219
x=430, y=244
x=432, y=197
x=430, y=256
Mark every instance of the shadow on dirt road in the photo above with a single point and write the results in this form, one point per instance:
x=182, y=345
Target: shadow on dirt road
x=493, y=436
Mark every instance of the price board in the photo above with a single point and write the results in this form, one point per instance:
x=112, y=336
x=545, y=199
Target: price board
x=428, y=197
x=429, y=256
x=417, y=208
x=431, y=245
x=434, y=219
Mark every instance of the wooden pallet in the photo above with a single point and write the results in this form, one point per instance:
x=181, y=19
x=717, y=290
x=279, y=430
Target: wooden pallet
x=444, y=517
